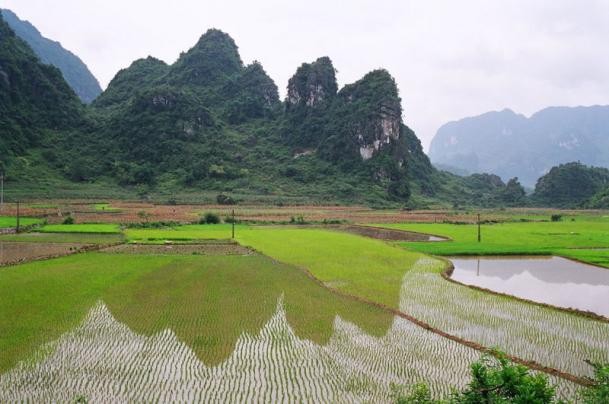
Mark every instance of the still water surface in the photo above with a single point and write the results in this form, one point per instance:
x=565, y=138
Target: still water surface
x=552, y=280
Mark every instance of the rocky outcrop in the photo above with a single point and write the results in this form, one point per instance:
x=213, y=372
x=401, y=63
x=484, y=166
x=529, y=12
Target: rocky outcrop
x=374, y=108
x=312, y=84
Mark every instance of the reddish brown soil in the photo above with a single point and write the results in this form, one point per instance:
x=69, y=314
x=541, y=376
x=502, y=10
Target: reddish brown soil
x=382, y=234
x=180, y=249
x=16, y=252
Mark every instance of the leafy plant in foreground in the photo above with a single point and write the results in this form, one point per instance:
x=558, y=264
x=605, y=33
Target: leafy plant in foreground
x=599, y=391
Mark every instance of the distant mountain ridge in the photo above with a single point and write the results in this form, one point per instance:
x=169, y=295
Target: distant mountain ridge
x=75, y=72
x=510, y=145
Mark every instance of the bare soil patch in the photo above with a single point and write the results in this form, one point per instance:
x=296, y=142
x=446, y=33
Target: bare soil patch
x=387, y=234
x=180, y=249
x=17, y=252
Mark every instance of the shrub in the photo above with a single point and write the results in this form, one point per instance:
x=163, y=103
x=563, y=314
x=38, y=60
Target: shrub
x=225, y=200
x=556, y=218
x=68, y=220
x=599, y=391
x=298, y=220
x=209, y=218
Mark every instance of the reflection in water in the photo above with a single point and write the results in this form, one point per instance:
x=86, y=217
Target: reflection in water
x=552, y=280
x=104, y=360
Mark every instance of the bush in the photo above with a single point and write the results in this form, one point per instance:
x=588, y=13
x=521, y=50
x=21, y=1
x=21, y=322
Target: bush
x=298, y=220
x=68, y=220
x=209, y=218
x=225, y=200
x=556, y=218
x=494, y=379
x=599, y=391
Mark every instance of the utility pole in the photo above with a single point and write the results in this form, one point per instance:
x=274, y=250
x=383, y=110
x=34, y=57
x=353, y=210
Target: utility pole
x=233, y=224
x=1, y=192
x=17, y=216
x=479, y=236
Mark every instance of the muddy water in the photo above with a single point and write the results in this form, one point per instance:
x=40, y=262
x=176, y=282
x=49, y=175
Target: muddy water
x=552, y=280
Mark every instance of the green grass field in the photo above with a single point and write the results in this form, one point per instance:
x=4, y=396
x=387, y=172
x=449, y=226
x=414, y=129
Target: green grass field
x=207, y=301
x=10, y=221
x=100, y=228
x=183, y=233
x=211, y=302
x=353, y=264
x=577, y=239
x=105, y=207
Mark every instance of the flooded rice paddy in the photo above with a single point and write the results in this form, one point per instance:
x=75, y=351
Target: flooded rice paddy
x=552, y=280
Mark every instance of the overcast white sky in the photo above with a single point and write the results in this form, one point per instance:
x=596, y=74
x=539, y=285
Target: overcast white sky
x=450, y=58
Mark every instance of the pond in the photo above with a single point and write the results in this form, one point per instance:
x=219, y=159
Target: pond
x=552, y=280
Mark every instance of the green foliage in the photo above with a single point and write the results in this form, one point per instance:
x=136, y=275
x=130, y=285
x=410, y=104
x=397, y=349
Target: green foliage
x=599, y=391
x=600, y=200
x=494, y=379
x=34, y=98
x=101, y=228
x=210, y=218
x=497, y=380
x=74, y=71
x=68, y=220
x=570, y=185
x=513, y=194
x=130, y=81
x=209, y=123
x=419, y=394
x=210, y=62
x=223, y=199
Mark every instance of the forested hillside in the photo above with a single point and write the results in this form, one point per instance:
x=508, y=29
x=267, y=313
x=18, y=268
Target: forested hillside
x=75, y=72
x=210, y=123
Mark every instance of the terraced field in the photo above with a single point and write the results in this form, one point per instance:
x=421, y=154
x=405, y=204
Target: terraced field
x=183, y=314
x=214, y=328
x=197, y=321
x=411, y=282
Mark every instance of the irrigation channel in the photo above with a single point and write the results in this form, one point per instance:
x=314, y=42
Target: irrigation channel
x=554, y=281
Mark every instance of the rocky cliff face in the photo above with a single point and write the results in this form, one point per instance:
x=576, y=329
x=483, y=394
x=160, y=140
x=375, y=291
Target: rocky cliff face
x=374, y=111
x=312, y=84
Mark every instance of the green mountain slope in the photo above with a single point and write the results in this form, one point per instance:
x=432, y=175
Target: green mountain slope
x=210, y=124
x=35, y=100
x=76, y=73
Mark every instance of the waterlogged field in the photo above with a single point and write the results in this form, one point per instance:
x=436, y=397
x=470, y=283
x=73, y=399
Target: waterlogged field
x=219, y=328
x=182, y=314
x=412, y=282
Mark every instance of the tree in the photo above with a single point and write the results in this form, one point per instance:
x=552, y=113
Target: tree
x=513, y=193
